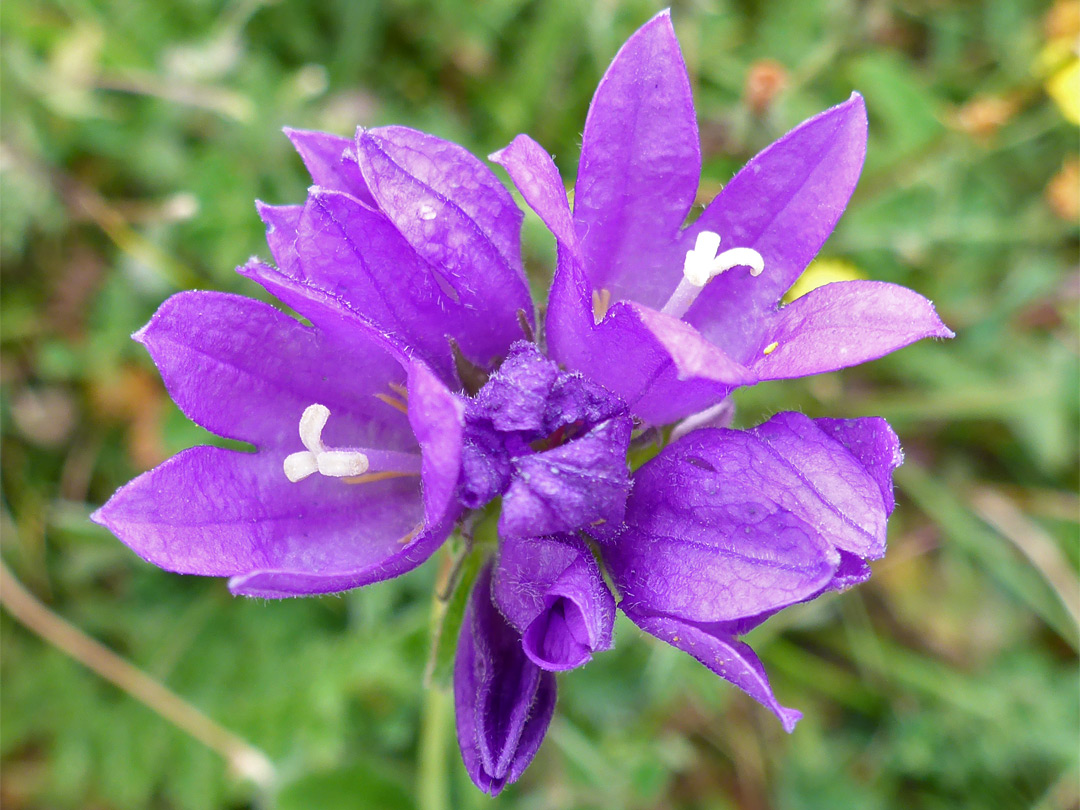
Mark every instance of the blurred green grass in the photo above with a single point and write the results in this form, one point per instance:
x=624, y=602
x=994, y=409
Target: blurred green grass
x=135, y=137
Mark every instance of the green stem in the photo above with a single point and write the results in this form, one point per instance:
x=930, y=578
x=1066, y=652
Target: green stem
x=433, y=789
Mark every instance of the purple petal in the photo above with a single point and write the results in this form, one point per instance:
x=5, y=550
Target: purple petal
x=246, y=371
x=719, y=651
x=568, y=324
x=487, y=463
x=537, y=178
x=661, y=367
x=816, y=470
x=436, y=417
x=282, y=223
x=330, y=314
x=709, y=536
x=844, y=324
x=455, y=230
x=551, y=590
x=457, y=175
x=438, y=420
x=639, y=169
x=783, y=204
x=515, y=397
x=853, y=571
x=354, y=253
x=503, y=701
x=874, y=444
x=331, y=162
x=217, y=512
x=571, y=486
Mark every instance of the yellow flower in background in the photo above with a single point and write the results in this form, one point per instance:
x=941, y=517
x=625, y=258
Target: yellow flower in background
x=1059, y=61
x=821, y=272
x=1064, y=89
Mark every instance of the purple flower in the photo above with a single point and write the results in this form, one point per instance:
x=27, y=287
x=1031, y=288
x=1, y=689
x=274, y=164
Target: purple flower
x=406, y=254
x=647, y=307
x=413, y=233
x=726, y=527
x=416, y=396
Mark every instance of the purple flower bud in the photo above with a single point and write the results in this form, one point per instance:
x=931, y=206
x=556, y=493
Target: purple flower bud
x=503, y=700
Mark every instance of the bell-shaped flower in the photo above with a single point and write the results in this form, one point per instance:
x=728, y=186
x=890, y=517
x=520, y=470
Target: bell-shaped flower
x=357, y=453
x=414, y=233
x=725, y=527
x=672, y=316
x=406, y=260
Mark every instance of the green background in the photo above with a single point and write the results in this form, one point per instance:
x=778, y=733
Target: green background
x=135, y=137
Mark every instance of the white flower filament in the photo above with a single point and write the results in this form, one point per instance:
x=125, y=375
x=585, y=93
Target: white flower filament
x=703, y=264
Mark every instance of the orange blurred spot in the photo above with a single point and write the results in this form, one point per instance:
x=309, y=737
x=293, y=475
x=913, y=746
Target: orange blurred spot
x=134, y=396
x=1063, y=20
x=983, y=116
x=765, y=80
x=1063, y=191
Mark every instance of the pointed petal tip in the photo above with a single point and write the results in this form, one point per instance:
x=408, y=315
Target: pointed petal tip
x=250, y=268
x=499, y=156
x=237, y=585
x=855, y=106
x=789, y=718
x=942, y=331
x=936, y=327
x=659, y=25
x=853, y=110
x=265, y=212
x=298, y=136
x=248, y=584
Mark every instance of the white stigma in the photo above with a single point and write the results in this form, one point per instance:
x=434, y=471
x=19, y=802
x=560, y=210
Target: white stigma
x=703, y=264
x=318, y=458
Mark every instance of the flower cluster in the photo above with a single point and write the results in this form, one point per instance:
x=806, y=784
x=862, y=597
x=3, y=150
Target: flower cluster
x=418, y=394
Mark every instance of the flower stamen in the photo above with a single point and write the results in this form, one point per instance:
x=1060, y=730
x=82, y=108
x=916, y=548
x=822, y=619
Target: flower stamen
x=703, y=264
x=334, y=463
x=601, y=301
x=372, y=477
x=393, y=402
x=350, y=465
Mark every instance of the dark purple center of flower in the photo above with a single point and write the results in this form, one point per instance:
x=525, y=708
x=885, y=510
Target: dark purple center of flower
x=553, y=444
